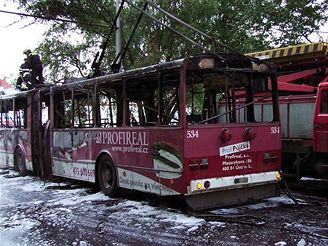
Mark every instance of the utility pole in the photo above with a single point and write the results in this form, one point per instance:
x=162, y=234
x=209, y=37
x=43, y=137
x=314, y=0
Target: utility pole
x=118, y=31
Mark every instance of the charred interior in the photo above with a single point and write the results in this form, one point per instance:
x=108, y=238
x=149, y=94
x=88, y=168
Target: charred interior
x=150, y=100
x=227, y=98
x=152, y=96
x=13, y=112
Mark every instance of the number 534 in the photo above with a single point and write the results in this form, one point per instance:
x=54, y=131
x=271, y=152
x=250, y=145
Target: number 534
x=192, y=134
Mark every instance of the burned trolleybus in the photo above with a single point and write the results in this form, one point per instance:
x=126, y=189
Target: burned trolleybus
x=161, y=129
x=24, y=121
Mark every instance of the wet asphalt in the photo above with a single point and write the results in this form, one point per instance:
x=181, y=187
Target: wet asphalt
x=34, y=212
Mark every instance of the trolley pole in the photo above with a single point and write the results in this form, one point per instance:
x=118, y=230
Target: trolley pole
x=118, y=31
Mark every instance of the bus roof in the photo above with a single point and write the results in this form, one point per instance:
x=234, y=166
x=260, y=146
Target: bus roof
x=11, y=93
x=225, y=62
x=119, y=76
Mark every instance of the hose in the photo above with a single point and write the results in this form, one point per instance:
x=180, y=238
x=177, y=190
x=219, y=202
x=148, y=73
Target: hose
x=296, y=201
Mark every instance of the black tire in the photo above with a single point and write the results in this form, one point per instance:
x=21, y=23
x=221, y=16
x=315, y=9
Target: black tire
x=20, y=164
x=318, y=166
x=107, y=176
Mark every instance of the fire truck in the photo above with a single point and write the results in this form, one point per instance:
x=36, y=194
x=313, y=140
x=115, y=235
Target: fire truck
x=303, y=100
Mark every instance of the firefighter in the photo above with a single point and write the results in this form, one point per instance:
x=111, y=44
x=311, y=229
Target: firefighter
x=34, y=63
x=23, y=81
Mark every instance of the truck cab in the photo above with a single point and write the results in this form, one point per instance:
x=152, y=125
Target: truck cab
x=320, y=119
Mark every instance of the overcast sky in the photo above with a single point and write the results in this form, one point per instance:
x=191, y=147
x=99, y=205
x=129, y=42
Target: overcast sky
x=15, y=37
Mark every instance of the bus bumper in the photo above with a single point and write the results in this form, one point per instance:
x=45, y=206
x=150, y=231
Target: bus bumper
x=228, y=191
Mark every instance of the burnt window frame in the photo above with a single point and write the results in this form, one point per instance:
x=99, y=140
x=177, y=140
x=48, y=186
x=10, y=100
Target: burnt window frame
x=229, y=100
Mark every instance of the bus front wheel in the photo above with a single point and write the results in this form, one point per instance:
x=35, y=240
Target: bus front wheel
x=107, y=176
x=20, y=163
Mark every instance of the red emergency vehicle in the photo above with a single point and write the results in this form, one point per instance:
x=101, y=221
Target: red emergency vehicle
x=303, y=89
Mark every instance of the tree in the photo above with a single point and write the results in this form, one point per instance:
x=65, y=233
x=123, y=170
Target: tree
x=243, y=25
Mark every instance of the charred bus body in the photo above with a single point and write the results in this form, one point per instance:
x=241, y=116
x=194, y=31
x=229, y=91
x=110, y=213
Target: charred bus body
x=23, y=145
x=160, y=130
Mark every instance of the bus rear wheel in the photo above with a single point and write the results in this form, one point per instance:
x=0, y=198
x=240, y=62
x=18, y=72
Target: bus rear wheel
x=20, y=163
x=107, y=177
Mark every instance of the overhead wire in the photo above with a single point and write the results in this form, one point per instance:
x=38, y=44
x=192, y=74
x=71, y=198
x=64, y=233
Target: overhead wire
x=11, y=24
x=192, y=28
x=163, y=24
x=202, y=47
x=51, y=18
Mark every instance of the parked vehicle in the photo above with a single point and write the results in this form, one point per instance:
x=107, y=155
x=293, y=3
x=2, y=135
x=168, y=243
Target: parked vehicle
x=303, y=89
x=155, y=129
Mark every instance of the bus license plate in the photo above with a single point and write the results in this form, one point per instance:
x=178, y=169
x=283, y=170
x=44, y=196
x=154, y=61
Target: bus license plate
x=241, y=180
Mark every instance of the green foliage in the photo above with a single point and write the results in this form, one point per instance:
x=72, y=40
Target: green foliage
x=64, y=56
x=69, y=48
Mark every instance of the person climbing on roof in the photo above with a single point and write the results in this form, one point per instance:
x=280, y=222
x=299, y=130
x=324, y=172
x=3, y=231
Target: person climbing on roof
x=23, y=81
x=34, y=63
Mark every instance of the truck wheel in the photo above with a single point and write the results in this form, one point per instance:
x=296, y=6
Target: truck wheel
x=107, y=176
x=20, y=164
x=319, y=166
